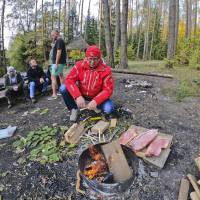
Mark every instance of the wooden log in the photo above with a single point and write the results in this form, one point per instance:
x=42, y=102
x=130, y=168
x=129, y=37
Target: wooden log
x=74, y=133
x=193, y=181
x=117, y=162
x=197, y=161
x=194, y=196
x=184, y=189
x=143, y=74
x=113, y=123
x=100, y=127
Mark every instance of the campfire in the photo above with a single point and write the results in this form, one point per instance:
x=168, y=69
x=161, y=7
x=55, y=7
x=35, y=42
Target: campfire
x=98, y=169
x=96, y=177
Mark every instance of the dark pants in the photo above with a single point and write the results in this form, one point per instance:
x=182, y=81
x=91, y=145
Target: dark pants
x=12, y=95
x=107, y=106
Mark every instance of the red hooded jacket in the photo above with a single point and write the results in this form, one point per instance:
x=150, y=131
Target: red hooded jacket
x=96, y=84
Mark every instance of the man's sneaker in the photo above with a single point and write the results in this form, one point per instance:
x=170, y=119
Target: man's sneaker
x=52, y=98
x=59, y=94
x=74, y=115
x=9, y=106
x=33, y=100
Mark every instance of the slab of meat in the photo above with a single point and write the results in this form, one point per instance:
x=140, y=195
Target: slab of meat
x=127, y=136
x=142, y=140
x=154, y=149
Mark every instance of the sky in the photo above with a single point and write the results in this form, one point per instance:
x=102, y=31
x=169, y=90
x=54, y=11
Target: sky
x=9, y=33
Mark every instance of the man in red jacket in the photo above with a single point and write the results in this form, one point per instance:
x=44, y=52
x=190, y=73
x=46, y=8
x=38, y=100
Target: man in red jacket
x=89, y=80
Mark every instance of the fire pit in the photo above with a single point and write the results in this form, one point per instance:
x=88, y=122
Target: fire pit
x=95, y=175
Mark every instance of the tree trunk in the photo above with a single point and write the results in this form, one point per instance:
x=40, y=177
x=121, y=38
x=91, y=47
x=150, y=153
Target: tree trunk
x=2, y=50
x=176, y=25
x=35, y=28
x=108, y=39
x=123, y=52
x=52, y=15
x=59, y=14
x=188, y=18
x=64, y=21
x=100, y=22
x=172, y=29
x=117, y=26
x=147, y=18
x=43, y=29
x=195, y=16
x=81, y=26
x=131, y=20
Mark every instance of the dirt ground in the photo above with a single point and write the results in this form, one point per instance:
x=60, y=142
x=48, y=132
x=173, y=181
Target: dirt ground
x=150, y=109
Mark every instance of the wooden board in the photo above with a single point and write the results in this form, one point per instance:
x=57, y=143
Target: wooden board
x=197, y=161
x=156, y=161
x=184, y=189
x=194, y=196
x=74, y=133
x=198, y=182
x=113, y=123
x=193, y=181
x=100, y=127
x=117, y=162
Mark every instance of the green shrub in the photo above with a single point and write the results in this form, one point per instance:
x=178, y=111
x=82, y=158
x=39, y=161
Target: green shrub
x=183, y=90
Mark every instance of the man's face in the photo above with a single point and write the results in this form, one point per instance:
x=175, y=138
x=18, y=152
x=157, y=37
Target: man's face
x=54, y=35
x=93, y=61
x=12, y=73
x=33, y=63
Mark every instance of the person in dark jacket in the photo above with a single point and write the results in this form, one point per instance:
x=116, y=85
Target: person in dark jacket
x=14, y=85
x=37, y=79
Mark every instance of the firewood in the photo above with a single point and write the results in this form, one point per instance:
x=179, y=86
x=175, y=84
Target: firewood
x=184, y=189
x=117, y=162
x=197, y=160
x=74, y=133
x=100, y=127
x=78, y=183
x=194, y=196
x=193, y=181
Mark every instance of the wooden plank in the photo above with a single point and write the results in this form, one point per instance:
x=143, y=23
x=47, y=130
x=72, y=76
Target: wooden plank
x=193, y=181
x=113, y=123
x=74, y=133
x=156, y=161
x=184, y=189
x=197, y=161
x=117, y=162
x=100, y=127
x=198, y=182
x=194, y=196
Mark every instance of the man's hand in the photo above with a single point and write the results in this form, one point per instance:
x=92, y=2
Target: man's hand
x=41, y=80
x=80, y=101
x=92, y=105
x=55, y=66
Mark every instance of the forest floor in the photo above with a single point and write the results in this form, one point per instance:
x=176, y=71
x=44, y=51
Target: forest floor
x=148, y=107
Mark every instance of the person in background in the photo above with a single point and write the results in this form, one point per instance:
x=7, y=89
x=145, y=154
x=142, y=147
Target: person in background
x=89, y=80
x=58, y=61
x=14, y=85
x=37, y=79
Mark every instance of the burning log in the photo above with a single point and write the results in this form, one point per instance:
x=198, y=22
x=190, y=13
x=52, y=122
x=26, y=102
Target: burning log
x=98, y=168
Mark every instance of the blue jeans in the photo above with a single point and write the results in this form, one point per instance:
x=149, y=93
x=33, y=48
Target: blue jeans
x=107, y=106
x=37, y=85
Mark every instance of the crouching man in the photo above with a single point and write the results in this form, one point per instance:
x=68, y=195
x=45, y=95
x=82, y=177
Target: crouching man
x=89, y=80
x=14, y=85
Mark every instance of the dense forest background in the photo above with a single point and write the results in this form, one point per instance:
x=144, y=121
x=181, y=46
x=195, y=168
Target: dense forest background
x=125, y=30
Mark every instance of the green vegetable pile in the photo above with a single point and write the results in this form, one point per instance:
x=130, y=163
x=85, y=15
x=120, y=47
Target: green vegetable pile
x=45, y=145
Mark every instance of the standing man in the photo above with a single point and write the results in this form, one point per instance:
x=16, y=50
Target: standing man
x=89, y=80
x=58, y=61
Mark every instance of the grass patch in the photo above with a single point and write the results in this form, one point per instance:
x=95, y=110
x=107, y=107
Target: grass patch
x=188, y=78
